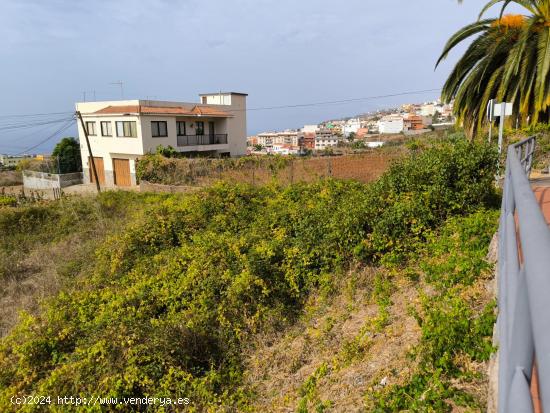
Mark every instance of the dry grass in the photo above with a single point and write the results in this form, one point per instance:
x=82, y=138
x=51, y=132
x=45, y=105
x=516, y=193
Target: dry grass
x=279, y=366
x=10, y=178
x=35, y=277
x=41, y=262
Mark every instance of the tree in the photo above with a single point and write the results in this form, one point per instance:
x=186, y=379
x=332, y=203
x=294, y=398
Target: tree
x=67, y=152
x=352, y=136
x=436, y=116
x=258, y=147
x=508, y=61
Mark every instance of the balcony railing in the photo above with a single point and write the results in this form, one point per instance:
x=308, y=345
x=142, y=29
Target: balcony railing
x=195, y=140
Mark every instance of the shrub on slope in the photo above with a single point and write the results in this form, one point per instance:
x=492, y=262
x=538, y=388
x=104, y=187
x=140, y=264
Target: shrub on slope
x=172, y=300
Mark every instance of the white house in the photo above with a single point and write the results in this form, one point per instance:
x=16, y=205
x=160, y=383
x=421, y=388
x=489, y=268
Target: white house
x=391, y=124
x=122, y=131
x=351, y=126
x=310, y=128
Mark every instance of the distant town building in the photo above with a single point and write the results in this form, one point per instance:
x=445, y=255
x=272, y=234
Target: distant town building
x=308, y=140
x=351, y=126
x=413, y=122
x=269, y=139
x=391, y=124
x=361, y=133
x=10, y=161
x=310, y=128
x=284, y=149
x=325, y=139
x=252, y=141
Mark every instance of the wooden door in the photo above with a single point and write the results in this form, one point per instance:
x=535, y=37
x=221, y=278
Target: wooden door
x=121, y=169
x=99, y=168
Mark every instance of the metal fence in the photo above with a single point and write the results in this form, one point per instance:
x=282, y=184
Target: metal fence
x=193, y=140
x=524, y=290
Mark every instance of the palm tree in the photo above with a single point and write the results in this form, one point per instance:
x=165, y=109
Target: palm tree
x=509, y=60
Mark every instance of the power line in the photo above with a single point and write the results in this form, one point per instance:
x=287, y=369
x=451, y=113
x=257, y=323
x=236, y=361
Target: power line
x=53, y=135
x=29, y=135
x=32, y=124
x=34, y=115
x=332, y=102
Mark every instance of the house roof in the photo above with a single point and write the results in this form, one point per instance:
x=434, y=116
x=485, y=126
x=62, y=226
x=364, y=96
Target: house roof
x=223, y=93
x=197, y=110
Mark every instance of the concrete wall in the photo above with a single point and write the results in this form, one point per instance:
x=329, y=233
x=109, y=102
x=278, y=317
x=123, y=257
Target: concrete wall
x=42, y=180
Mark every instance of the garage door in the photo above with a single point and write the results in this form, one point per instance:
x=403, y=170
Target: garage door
x=99, y=168
x=121, y=169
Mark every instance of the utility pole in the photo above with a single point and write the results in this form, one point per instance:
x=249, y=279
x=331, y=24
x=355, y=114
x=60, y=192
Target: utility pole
x=89, y=150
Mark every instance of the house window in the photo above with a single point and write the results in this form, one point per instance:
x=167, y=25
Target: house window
x=106, y=129
x=126, y=129
x=159, y=129
x=182, y=131
x=200, y=128
x=90, y=128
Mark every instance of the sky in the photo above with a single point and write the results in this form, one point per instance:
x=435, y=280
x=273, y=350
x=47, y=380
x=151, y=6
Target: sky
x=280, y=52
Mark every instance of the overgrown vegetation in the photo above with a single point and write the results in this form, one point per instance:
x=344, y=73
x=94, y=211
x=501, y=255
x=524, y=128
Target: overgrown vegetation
x=168, y=304
x=164, y=167
x=42, y=241
x=456, y=325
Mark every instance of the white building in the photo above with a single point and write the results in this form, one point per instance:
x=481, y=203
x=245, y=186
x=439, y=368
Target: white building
x=391, y=124
x=310, y=128
x=282, y=149
x=351, y=126
x=324, y=138
x=12, y=160
x=121, y=131
x=269, y=139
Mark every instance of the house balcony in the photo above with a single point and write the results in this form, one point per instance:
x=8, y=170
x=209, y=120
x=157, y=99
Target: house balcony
x=202, y=140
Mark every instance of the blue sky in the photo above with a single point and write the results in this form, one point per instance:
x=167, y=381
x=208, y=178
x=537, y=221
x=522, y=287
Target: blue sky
x=278, y=51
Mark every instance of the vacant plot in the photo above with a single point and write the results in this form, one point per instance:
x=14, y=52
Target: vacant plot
x=363, y=167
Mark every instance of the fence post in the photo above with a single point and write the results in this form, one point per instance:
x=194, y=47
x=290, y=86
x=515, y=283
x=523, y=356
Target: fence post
x=329, y=166
x=291, y=171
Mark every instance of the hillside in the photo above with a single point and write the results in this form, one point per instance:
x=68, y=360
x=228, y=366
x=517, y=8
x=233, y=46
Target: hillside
x=324, y=296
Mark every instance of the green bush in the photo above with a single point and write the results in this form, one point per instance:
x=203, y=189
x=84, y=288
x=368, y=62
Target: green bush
x=418, y=194
x=8, y=201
